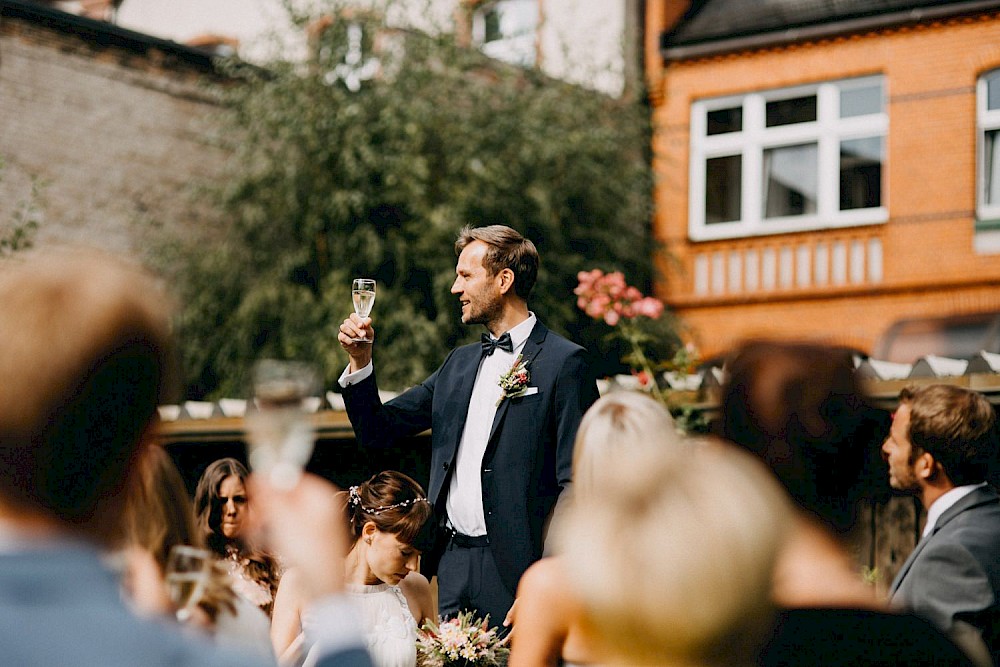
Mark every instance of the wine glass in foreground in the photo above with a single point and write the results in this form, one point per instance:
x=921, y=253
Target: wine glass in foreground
x=187, y=575
x=280, y=433
x=363, y=293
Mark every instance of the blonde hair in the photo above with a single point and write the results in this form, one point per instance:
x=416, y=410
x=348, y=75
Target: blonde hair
x=676, y=568
x=617, y=428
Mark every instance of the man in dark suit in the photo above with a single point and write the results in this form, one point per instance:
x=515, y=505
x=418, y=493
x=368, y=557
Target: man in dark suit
x=941, y=445
x=84, y=358
x=500, y=455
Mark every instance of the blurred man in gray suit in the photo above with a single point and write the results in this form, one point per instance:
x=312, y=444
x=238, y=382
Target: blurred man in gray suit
x=84, y=348
x=941, y=445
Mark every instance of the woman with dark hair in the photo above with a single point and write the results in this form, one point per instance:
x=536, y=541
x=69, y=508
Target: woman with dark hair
x=221, y=507
x=390, y=524
x=158, y=517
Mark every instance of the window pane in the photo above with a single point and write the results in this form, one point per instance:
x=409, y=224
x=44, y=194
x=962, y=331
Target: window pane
x=723, y=191
x=509, y=18
x=992, y=166
x=722, y=121
x=787, y=112
x=861, y=101
x=993, y=90
x=790, y=180
x=861, y=173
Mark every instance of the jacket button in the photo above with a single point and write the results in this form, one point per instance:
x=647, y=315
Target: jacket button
x=444, y=466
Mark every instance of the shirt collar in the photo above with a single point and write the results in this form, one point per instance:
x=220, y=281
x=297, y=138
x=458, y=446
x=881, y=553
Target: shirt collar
x=944, y=503
x=520, y=333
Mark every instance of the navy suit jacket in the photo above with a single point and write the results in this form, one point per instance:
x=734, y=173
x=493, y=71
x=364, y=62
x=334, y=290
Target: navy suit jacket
x=952, y=578
x=60, y=606
x=529, y=454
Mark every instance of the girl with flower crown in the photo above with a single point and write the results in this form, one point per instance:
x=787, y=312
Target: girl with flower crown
x=389, y=520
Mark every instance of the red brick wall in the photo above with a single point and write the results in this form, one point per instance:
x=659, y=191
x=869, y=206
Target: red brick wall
x=929, y=264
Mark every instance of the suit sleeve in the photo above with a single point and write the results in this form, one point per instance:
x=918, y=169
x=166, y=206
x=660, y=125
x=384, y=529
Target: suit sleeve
x=946, y=600
x=576, y=391
x=378, y=424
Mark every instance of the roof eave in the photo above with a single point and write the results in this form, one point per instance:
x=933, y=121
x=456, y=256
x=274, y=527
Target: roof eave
x=821, y=30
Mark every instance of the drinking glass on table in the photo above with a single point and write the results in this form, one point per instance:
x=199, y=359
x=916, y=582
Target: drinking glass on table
x=363, y=293
x=280, y=432
x=187, y=575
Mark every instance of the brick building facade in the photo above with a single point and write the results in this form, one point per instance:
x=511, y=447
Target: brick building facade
x=771, y=230
x=115, y=128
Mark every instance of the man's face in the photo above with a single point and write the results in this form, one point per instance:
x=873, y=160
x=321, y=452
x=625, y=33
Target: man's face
x=477, y=290
x=897, y=450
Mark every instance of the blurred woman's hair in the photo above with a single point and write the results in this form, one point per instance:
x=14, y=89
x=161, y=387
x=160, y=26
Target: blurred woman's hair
x=158, y=517
x=616, y=428
x=158, y=510
x=676, y=568
x=799, y=407
x=396, y=504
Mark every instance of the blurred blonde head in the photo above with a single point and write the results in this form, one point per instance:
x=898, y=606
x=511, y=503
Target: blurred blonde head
x=615, y=430
x=85, y=358
x=676, y=567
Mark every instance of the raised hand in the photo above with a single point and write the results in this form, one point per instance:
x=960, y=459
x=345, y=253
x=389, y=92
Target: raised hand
x=355, y=327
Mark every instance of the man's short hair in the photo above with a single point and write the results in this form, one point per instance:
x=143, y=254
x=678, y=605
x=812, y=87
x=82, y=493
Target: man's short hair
x=956, y=426
x=85, y=342
x=507, y=250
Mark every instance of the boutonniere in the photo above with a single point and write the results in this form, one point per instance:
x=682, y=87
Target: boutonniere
x=514, y=382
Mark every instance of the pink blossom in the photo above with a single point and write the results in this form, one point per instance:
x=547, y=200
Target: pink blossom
x=611, y=317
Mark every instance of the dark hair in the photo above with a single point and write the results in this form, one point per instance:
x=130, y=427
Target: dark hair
x=799, y=408
x=507, y=250
x=208, y=507
x=86, y=348
x=396, y=504
x=261, y=566
x=956, y=426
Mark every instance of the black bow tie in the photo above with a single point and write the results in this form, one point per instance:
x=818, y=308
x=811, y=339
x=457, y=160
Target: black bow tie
x=490, y=344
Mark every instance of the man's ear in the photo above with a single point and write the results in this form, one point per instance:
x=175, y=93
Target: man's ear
x=926, y=466
x=505, y=280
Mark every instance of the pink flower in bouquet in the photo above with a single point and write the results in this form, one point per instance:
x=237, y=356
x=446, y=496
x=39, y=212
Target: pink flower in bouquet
x=606, y=296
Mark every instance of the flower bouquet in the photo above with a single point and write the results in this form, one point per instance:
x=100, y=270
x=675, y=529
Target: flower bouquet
x=460, y=642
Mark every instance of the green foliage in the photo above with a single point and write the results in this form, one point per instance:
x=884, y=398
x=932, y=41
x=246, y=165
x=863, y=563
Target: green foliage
x=329, y=184
x=24, y=220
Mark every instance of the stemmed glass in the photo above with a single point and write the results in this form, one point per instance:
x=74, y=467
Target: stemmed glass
x=363, y=293
x=187, y=576
x=280, y=432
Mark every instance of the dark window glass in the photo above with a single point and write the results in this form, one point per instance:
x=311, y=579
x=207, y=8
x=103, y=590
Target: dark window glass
x=993, y=90
x=723, y=188
x=788, y=112
x=722, y=121
x=790, y=180
x=861, y=173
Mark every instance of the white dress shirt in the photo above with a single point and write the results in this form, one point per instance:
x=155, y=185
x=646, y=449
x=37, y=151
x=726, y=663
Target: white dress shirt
x=939, y=506
x=465, y=494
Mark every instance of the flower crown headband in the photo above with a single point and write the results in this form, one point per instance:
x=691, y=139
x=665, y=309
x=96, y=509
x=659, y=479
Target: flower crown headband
x=355, y=499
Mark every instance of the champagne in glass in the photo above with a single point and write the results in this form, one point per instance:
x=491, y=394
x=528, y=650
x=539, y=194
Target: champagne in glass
x=280, y=430
x=187, y=575
x=363, y=293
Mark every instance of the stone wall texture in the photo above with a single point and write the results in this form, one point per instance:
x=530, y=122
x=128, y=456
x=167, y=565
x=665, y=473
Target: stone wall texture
x=115, y=138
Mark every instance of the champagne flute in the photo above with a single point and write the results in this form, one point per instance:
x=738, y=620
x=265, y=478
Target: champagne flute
x=363, y=293
x=187, y=575
x=280, y=433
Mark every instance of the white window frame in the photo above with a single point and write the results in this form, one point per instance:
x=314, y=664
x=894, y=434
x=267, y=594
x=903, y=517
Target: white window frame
x=986, y=121
x=827, y=131
x=517, y=48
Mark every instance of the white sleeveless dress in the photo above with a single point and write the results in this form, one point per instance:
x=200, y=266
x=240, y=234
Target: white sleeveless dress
x=390, y=630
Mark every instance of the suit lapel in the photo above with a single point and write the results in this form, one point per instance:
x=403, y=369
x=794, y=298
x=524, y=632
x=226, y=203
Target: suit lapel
x=463, y=390
x=531, y=348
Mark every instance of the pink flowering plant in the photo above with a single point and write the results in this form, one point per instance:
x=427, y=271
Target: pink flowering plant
x=607, y=297
x=460, y=642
